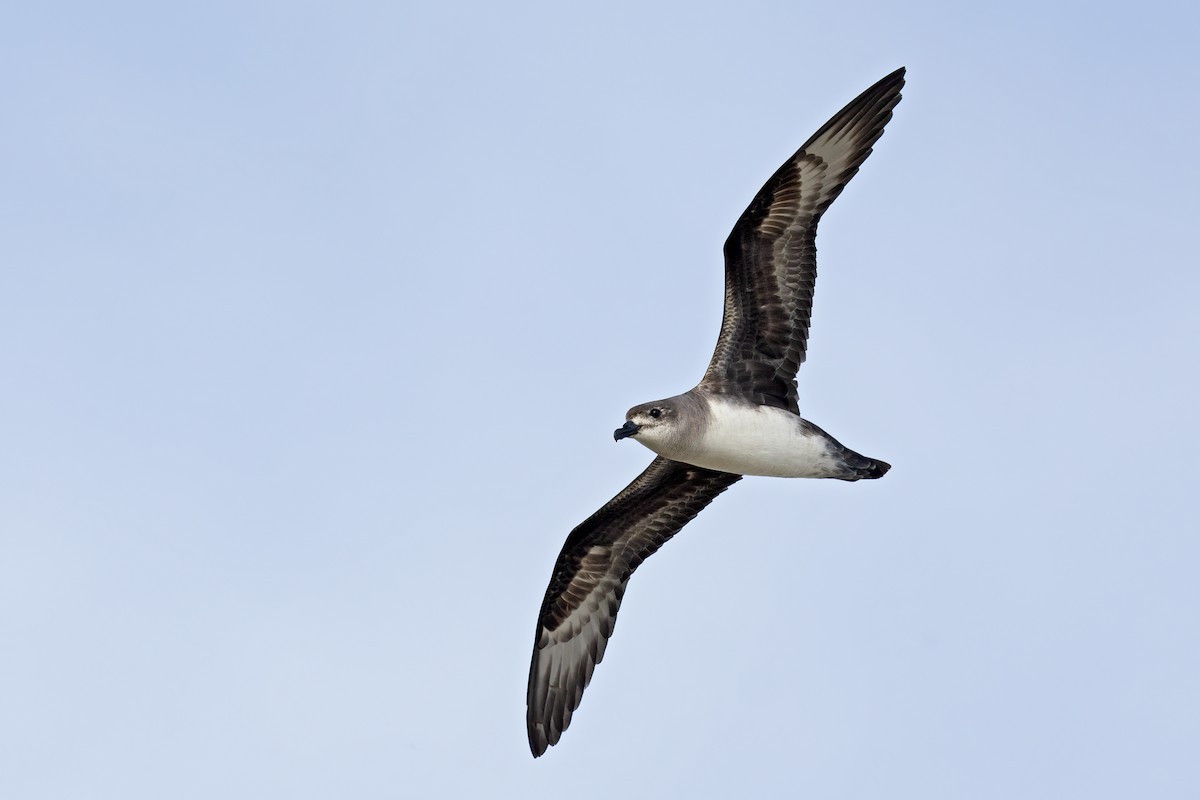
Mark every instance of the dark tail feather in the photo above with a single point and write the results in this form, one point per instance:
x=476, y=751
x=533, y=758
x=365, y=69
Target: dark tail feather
x=877, y=469
x=858, y=467
x=862, y=468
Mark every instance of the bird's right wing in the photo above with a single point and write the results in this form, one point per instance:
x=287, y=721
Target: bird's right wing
x=589, y=578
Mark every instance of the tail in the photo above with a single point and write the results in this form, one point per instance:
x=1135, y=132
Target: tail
x=875, y=469
x=855, y=466
x=861, y=468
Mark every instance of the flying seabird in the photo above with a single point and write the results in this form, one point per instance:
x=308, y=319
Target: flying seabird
x=742, y=418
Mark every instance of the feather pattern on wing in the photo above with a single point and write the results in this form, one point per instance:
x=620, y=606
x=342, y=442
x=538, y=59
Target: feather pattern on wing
x=589, y=579
x=771, y=254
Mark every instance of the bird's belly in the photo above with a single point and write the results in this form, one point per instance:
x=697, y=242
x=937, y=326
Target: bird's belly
x=760, y=440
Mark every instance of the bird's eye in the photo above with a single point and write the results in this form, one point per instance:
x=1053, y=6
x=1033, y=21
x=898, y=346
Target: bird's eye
x=654, y=412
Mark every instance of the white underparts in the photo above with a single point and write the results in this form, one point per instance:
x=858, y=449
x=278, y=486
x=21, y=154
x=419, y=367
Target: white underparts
x=758, y=440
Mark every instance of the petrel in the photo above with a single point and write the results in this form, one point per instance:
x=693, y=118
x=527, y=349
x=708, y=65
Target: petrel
x=741, y=419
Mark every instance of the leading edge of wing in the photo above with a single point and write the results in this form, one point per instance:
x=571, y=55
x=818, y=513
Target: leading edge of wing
x=580, y=607
x=770, y=255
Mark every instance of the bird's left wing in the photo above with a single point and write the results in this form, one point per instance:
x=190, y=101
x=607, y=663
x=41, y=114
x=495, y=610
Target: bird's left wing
x=771, y=254
x=589, y=578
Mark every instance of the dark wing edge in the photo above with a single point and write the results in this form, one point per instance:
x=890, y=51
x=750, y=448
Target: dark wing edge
x=580, y=608
x=771, y=254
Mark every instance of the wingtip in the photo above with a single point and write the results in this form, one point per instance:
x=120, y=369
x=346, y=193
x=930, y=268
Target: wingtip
x=895, y=78
x=537, y=749
x=539, y=742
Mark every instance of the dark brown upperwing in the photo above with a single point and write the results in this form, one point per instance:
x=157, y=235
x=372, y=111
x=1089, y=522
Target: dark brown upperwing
x=771, y=255
x=589, y=578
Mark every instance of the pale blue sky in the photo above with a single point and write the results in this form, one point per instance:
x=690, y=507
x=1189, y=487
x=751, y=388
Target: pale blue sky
x=317, y=319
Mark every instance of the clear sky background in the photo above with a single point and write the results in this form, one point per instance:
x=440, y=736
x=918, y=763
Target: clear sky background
x=316, y=320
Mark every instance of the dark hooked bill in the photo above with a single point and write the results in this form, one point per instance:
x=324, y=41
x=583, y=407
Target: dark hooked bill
x=628, y=429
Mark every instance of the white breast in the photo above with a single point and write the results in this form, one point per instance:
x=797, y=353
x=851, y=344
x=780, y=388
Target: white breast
x=759, y=440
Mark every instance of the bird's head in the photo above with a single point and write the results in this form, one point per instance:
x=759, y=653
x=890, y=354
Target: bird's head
x=655, y=424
